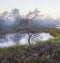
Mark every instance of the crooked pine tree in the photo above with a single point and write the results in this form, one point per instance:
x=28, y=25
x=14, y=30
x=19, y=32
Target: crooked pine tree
x=24, y=26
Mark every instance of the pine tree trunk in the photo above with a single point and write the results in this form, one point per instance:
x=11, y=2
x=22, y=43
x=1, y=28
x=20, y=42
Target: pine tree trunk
x=29, y=38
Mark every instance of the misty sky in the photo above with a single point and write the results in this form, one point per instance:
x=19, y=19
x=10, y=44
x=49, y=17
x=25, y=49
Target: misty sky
x=47, y=7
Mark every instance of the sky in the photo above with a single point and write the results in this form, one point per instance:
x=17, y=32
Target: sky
x=46, y=7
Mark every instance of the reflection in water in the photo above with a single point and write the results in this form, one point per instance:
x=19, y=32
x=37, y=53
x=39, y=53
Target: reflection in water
x=11, y=39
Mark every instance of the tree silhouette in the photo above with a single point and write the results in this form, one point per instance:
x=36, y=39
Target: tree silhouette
x=24, y=25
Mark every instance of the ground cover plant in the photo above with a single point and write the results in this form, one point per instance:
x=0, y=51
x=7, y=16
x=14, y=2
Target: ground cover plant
x=39, y=53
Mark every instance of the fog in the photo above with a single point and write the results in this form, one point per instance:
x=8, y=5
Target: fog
x=11, y=39
x=9, y=20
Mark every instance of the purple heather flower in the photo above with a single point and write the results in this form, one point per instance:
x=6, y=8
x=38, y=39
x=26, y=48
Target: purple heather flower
x=35, y=54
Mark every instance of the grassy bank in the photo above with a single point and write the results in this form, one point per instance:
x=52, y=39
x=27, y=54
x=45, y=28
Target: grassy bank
x=47, y=52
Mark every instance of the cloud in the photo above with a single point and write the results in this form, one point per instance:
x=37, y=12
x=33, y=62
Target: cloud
x=39, y=20
x=10, y=20
x=36, y=19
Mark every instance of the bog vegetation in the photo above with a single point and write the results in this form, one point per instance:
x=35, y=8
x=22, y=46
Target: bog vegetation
x=41, y=52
